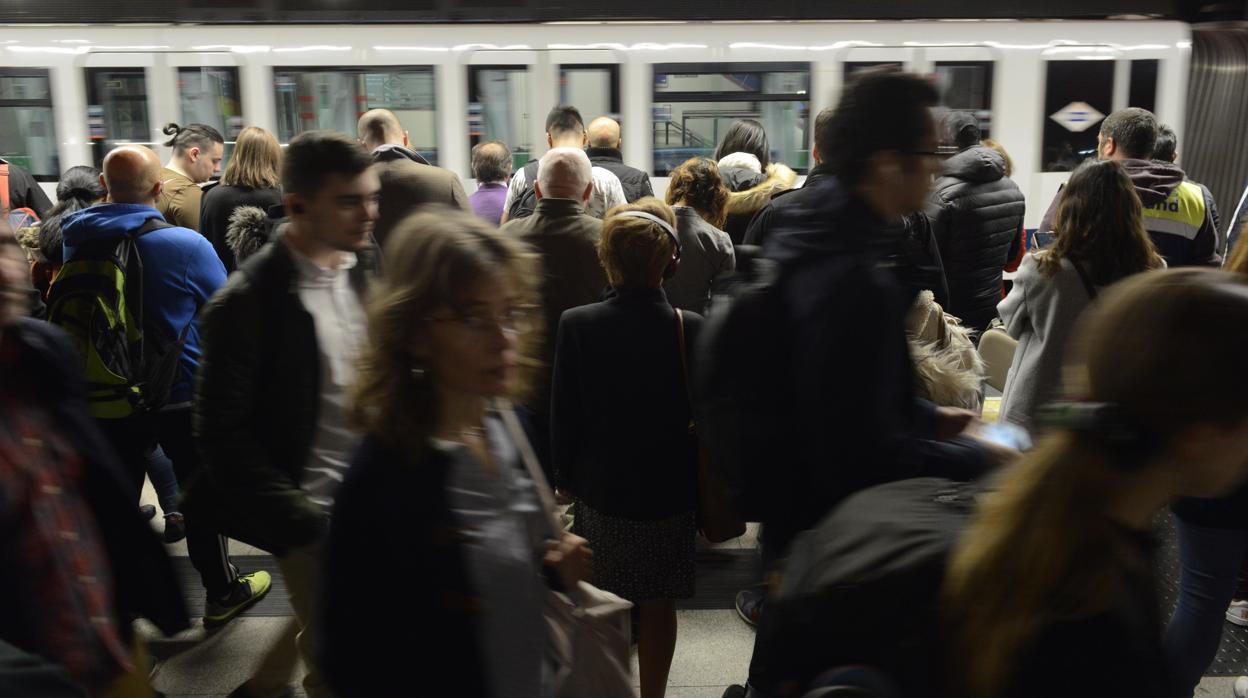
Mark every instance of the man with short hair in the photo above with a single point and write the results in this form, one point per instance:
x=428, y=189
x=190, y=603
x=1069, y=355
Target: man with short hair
x=181, y=271
x=1166, y=151
x=975, y=213
x=564, y=129
x=272, y=415
x=1177, y=215
x=566, y=239
x=197, y=153
x=408, y=181
x=491, y=166
x=847, y=372
x=604, y=151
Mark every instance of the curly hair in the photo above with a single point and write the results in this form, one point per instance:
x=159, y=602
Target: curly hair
x=697, y=183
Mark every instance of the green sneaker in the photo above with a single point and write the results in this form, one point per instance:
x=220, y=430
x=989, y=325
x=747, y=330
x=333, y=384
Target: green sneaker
x=248, y=589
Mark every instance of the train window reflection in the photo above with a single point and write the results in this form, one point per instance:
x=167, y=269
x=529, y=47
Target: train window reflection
x=498, y=108
x=852, y=68
x=116, y=109
x=334, y=99
x=694, y=104
x=27, y=129
x=1142, y=91
x=211, y=96
x=593, y=89
x=1077, y=96
x=967, y=86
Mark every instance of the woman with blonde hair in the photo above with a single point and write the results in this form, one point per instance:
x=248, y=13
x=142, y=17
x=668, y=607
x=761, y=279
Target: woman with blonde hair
x=620, y=436
x=699, y=199
x=1051, y=590
x=250, y=179
x=439, y=472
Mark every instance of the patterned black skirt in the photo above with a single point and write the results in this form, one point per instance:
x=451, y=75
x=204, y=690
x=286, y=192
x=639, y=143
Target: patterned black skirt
x=639, y=560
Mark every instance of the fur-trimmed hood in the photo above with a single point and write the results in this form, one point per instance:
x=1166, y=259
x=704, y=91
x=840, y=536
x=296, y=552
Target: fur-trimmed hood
x=948, y=369
x=778, y=178
x=250, y=229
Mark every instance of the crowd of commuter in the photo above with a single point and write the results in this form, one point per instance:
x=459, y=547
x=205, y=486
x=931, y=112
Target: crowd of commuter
x=436, y=409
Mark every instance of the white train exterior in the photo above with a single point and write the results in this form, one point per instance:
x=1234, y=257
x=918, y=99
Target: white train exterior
x=262, y=55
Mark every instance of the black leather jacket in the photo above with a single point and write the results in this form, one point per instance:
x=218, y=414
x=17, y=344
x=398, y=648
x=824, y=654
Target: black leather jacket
x=976, y=214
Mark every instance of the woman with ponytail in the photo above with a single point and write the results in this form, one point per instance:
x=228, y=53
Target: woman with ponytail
x=1051, y=590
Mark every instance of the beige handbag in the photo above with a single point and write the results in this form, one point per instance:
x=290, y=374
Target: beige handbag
x=587, y=628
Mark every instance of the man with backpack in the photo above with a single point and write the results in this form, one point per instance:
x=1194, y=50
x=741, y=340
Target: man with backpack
x=834, y=411
x=564, y=129
x=128, y=295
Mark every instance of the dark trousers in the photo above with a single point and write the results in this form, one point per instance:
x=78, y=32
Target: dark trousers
x=133, y=439
x=1209, y=562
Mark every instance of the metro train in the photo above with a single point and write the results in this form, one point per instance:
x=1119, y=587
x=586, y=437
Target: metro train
x=69, y=93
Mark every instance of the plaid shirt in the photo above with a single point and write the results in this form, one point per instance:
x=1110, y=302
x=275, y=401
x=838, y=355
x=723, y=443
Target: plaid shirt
x=59, y=587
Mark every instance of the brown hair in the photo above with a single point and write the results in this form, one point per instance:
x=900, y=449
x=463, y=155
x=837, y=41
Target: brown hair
x=255, y=160
x=1043, y=548
x=697, y=182
x=1099, y=223
x=1009, y=162
x=1238, y=261
x=432, y=257
x=635, y=251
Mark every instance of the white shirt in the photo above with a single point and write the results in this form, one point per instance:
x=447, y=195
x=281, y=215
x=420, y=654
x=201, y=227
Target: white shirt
x=608, y=192
x=339, y=319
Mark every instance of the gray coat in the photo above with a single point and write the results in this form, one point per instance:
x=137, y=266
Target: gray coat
x=1040, y=313
x=706, y=260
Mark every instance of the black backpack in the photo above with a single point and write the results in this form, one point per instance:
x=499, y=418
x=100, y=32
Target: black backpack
x=741, y=391
x=97, y=298
x=524, y=205
x=863, y=588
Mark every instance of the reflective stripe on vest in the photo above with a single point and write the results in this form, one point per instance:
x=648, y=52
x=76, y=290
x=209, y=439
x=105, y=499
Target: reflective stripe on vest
x=1182, y=213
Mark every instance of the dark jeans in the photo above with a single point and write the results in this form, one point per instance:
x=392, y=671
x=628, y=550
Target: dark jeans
x=1209, y=562
x=160, y=470
x=133, y=439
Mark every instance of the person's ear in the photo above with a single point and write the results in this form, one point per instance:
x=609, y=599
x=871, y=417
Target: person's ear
x=294, y=205
x=192, y=154
x=406, y=142
x=584, y=139
x=158, y=187
x=619, y=143
x=550, y=142
x=814, y=154
x=589, y=191
x=104, y=183
x=537, y=189
x=1109, y=147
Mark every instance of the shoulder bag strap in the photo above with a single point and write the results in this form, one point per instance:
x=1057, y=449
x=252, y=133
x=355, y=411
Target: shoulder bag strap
x=544, y=494
x=1083, y=276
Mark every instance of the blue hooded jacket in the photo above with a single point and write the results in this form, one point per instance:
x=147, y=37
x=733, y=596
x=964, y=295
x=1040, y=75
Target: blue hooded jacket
x=181, y=272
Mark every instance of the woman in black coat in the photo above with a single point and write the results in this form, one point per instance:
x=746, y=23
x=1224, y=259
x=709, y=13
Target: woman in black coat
x=620, y=429
x=250, y=179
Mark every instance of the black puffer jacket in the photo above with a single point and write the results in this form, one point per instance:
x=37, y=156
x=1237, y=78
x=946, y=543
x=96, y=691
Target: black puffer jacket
x=635, y=182
x=976, y=213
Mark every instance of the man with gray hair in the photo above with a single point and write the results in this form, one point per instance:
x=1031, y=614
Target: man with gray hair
x=566, y=238
x=1177, y=215
x=491, y=166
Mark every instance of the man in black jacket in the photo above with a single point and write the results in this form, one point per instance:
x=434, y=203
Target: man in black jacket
x=604, y=151
x=281, y=341
x=19, y=190
x=975, y=213
x=848, y=375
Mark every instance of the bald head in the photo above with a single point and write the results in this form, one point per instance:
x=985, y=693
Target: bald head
x=564, y=173
x=604, y=132
x=132, y=175
x=378, y=127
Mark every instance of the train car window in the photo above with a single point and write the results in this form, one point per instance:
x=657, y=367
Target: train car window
x=694, y=104
x=116, y=109
x=967, y=86
x=852, y=68
x=593, y=89
x=1077, y=96
x=498, y=108
x=27, y=128
x=211, y=96
x=1143, y=90
x=334, y=98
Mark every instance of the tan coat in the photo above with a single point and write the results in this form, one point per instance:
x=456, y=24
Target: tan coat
x=408, y=185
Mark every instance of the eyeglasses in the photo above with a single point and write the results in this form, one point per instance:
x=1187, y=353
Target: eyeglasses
x=512, y=321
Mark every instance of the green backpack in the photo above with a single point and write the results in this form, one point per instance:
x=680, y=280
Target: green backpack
x=97, y=298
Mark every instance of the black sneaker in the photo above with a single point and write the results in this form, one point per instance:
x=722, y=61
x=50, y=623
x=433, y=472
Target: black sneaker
x=175, y=528
x=248, y=589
